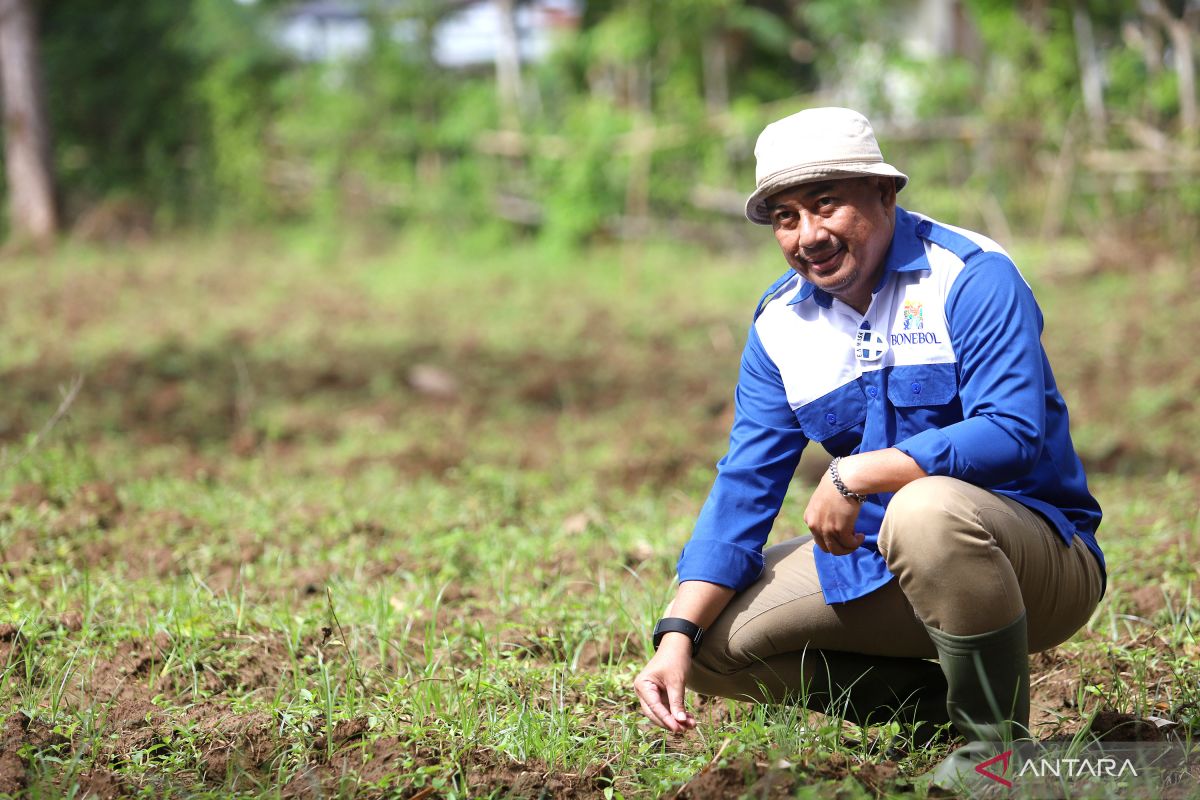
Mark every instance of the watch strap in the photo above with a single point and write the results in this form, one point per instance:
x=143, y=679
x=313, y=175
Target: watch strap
x=678, y=625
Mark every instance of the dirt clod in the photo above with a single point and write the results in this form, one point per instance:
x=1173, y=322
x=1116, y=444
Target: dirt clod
x=103, y=784
x=713, y=783
x=30, y=495
x=1114, y=726
x=878, y=777
x=19, y=733
x=491, y=775
x=344, y=732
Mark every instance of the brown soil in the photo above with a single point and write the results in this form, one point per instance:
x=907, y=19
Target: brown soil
x=201, y=396
x=129, y=689
x=246, y=741
x=492, y=775
x=344, y=732
x=1113, y=726
x=135, y=697
x=371, y=765
x=1054, y=684
x=596, y=653
x=94, y=505
x=257, y=663
x=30, y=495
x=1056, y=679
x=12, y=650
x=106, y=534
x=102, y=784
x=714, y=782
x=134, y=694
x=879, y=778
x=19, y=552
x=21, y=733
x=758, y=779
x=1147, y=600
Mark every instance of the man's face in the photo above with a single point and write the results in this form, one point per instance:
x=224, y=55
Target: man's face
x=836, y=233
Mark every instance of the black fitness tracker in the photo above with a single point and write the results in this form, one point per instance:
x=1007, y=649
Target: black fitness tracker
x=678, y=625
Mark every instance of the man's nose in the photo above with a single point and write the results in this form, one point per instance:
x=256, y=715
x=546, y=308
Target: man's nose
x=810, y=233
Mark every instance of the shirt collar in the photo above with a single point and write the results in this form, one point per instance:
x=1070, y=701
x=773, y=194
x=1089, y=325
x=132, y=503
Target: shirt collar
x=905, y=254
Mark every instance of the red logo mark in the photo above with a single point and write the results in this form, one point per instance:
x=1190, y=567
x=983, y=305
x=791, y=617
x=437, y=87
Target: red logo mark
x=983, y=770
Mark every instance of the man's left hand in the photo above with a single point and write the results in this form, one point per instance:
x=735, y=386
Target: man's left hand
x=831, y=519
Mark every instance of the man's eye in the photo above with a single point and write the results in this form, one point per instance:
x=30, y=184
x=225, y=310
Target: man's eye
x=825, y=202
x=783, y=216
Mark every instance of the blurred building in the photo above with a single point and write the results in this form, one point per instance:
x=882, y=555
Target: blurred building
x=466, y=33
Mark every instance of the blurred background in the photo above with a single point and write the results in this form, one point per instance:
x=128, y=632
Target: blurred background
x=372, y=164
x=582, y=121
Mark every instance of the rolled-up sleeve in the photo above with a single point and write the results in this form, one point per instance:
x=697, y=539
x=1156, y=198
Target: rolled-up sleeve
x=752, y=478
x=996, y=326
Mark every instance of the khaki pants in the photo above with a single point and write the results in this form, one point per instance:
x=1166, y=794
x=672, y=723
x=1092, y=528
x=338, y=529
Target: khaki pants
x=966, y=561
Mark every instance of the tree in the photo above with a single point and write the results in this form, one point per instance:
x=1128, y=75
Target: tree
x=1179, y=30
x=26, y=136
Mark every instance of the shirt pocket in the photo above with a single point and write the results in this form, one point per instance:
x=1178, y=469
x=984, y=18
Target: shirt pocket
x=836, y=420
x=924, y=396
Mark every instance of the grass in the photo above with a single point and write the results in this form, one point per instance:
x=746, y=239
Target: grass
x=392, y=518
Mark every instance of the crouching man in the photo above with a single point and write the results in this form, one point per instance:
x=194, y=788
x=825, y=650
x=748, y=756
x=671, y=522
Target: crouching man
x=954, y=521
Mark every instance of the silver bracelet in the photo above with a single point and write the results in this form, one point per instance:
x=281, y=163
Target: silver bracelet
x=841, y=487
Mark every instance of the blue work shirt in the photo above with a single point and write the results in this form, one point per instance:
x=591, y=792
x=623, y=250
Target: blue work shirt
x=946, y=365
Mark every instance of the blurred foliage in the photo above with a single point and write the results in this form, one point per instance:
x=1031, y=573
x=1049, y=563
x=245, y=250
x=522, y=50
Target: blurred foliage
x=121, y=99
x=190, y=111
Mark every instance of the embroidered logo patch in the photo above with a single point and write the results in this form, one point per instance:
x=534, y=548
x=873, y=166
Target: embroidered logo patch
x=869, y=345
x=914, y=316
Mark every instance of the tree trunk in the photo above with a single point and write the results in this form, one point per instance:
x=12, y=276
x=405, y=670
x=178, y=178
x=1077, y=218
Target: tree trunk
x=508, y=66
x=715, y=61
x=26, y=134
x=1090, y=71
x=1185, y=68
x=1179, y=32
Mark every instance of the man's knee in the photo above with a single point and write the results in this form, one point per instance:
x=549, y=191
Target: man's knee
x=922, y=517
x=702, y=679
x=718, y=672
x=721, y=653
x=778, y=679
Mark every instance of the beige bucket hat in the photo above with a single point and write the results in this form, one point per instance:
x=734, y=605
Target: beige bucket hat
x=815, y=144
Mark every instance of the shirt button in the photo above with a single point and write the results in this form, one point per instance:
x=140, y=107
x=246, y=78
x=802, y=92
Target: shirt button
x=831, y=418
x=872, y=391
x=924, y=227
x=916, y=387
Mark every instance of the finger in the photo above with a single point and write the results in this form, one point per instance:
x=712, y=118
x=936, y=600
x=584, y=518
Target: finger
x=833, y=547
x=643, y=698
x=675, y=696
x=648, y=714
x=839, y=550
x=848, y=540
x=654, y=700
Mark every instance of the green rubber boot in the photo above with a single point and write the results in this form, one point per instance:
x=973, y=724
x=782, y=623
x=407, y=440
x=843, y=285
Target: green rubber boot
x=872, y=690
x=987, y=676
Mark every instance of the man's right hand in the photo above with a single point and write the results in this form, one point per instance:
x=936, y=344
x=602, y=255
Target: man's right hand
x=660, y=686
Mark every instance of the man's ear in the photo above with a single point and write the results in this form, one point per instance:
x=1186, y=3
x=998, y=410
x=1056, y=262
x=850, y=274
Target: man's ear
x=887, y=192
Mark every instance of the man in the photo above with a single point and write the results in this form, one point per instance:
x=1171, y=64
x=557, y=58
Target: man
x=954, y=521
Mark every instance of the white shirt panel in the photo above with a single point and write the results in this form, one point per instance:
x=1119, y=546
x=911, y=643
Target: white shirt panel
x=909, y=311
